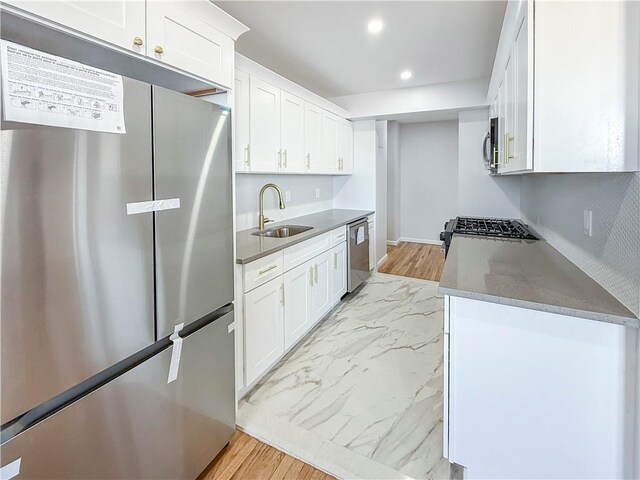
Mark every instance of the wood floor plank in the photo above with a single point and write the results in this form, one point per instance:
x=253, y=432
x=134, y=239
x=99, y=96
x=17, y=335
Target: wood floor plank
x=415, y=260
x=246, y=458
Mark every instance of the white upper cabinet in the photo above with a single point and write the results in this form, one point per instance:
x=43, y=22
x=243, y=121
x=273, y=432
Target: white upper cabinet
x=567, y=87
x=241, y=149
x=586, y=86
x=193, y=36
x=118, y=22
x=292, y=133
x=264, y=126
x=181, y=34
x=329, y=144
x=345, y=146
x=312, y=137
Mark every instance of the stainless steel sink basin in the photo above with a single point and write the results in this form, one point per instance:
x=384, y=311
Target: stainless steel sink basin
x=282, y=231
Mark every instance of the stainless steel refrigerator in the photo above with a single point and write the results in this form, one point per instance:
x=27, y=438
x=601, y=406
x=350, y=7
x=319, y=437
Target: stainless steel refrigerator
x=91, y=291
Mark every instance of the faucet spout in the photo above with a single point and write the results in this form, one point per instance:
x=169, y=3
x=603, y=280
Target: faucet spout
x=261, y=218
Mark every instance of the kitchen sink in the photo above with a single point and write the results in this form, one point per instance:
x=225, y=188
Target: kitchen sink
x=282, y=231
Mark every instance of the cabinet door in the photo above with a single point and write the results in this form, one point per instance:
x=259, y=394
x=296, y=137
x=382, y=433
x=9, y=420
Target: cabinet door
x=329, y=149
x=263, y=328
x=241, y=150
x=523, y=96
x=508, y=106
x=118, y=22
x=321, y=293
x=292, y=133
x=338, y=272
x=345, y=146
x=264, y=126
x=182, y=34
x=312, y=127
x=297, y=298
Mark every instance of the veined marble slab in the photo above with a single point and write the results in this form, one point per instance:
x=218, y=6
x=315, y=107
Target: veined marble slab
x=368, y=382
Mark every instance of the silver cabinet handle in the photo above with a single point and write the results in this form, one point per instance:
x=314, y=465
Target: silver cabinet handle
x=308, y=161
x=247, y=156
x=285, y=158
x=311, y=275
x=280, y=159
x=282, y=293
x=315, y=272
x=267, y=269
x=340, y=236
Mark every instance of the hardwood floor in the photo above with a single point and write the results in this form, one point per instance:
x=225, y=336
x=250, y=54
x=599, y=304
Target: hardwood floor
x=416, y=260
x=248, y=458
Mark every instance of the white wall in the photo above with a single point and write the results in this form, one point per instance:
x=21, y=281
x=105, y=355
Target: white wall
x=358, y=191
x=381, y=190
x=302, y=189
x=393, y=182
x=441, y=96
x=429, y=172
x=480, y=194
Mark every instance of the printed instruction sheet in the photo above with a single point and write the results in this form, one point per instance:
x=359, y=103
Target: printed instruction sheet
x=48, y=90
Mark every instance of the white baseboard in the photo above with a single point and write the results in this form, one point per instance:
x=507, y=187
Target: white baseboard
x=421, y=240
x=382, y=260
x=393, y=243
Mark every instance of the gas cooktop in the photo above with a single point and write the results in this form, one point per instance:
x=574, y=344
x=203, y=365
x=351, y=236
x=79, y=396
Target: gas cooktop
x=486, y=227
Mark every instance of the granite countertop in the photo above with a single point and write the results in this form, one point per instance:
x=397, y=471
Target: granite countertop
x=252, y=247
x=529, y=274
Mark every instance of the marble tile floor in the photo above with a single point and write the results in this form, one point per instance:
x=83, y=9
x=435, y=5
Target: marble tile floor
x=361, y=396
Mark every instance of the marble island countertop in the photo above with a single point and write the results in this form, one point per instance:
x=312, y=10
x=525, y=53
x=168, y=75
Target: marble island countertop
x=528, y=274
x=252, y=247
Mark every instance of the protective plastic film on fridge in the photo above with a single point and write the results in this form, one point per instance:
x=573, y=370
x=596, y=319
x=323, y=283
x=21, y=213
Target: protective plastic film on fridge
x=91, y=290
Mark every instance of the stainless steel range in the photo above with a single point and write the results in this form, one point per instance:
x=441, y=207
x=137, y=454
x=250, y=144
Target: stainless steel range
x=486, y=227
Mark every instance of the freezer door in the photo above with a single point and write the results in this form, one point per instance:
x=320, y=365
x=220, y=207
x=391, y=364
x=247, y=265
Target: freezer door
x=194, y=253
x=138, y=426
x=77, y=271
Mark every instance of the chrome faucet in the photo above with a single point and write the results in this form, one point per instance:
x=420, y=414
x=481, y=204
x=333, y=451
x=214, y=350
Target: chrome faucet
x=261, y=218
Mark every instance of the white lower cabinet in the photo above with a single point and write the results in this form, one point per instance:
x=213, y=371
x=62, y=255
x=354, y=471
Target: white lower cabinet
x=338, y=272
x=282, y=309
x=264, y=335
x=531, y=394
x=297, y=294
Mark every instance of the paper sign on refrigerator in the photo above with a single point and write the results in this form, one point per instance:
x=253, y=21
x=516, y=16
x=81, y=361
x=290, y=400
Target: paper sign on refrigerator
x=48, y=90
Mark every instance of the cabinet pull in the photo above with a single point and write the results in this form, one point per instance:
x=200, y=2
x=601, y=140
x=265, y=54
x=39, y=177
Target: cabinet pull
x=308, y=161
x=137, y=41
x=282, y=294
x=247, y=156
x=267, y=269
x=507, y=157
x=311, y=275
x=315, y=272
x=159, y=50
x=280, y=159
x=335, y=260
x=285, y=158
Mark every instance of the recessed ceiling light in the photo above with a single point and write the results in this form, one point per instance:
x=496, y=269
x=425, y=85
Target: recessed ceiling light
x=375, y=25
x=406, y=75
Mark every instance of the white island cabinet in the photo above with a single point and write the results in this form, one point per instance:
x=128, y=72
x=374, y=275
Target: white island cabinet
x=285, y=295
x=532, y=394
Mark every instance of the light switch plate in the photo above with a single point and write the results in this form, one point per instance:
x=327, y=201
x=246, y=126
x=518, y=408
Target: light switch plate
x=588, y=223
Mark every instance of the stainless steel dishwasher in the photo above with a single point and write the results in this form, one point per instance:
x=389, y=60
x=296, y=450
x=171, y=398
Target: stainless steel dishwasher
x=358, y=254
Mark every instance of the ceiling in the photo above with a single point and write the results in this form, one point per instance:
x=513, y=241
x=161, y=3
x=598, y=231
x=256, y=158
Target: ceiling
x=325, y=46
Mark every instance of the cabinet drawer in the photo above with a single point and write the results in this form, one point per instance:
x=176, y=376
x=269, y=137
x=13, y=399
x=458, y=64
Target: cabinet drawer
x=339, y=235
x=294, y=256
x=262, y=270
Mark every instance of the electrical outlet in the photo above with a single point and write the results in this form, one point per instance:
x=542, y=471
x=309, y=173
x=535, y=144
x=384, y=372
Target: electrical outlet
x=317, y=193
x=287, y=196
x=588, y=223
